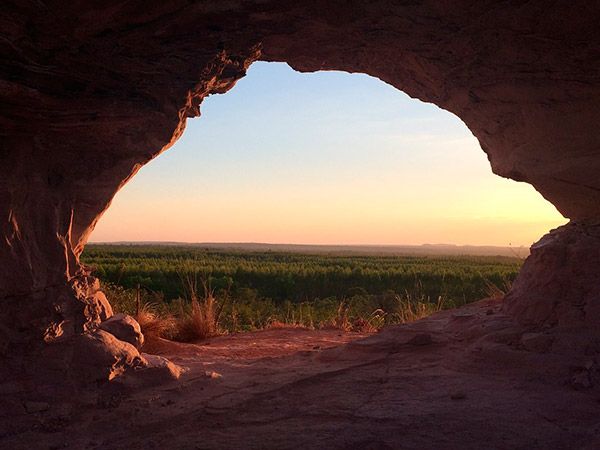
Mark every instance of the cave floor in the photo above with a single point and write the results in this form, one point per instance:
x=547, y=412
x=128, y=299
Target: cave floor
x=467, y=378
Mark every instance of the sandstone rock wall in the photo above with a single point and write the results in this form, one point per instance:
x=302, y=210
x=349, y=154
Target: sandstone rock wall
x=92, y=91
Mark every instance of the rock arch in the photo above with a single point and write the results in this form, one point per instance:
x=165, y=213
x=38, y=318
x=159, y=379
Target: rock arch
x=90, y=93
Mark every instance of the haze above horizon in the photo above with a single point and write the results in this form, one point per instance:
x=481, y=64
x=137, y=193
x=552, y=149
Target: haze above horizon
x=324, y=158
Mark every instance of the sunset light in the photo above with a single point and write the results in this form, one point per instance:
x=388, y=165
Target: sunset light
x=324, y=158
x=275, y=225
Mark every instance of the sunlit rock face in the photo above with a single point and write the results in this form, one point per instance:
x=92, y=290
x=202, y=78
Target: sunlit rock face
x=91, y=91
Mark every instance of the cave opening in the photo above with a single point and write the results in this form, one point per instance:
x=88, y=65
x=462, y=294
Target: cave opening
x=375, y=166
x=333, y=161
x=92, y=92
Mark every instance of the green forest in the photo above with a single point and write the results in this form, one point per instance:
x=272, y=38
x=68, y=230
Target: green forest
x=256, y=288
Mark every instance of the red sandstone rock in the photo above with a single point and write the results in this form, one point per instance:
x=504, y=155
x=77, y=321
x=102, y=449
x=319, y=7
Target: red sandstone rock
x=100, y=356
x=559, y=284
x=468, y=389
x=124, y=328
x=156, y=370
x=91, y=92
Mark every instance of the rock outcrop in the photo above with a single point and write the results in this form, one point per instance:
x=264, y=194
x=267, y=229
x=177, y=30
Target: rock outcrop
x=559, y=284
x=91, y=92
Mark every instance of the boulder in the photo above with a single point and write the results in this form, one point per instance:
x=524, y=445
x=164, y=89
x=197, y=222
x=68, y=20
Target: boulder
x=125, y=328
x=100, y=356
x=153, y=370
x=558, y=284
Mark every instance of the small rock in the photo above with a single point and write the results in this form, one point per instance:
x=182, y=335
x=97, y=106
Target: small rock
x=35, y=407
x=124, y=328
x=213, y=375
x=152, y=370
x=162, y=368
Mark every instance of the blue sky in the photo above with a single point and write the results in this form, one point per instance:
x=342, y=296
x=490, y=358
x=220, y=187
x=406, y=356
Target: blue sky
x=326, y=157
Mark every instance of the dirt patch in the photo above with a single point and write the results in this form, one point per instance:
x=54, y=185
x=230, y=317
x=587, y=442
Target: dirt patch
x=269, y=343
x=469, y=378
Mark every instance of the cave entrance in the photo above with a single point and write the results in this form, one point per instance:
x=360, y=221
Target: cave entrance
x=314, y=163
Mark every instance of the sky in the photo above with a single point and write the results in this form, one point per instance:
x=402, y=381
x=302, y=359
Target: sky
x=324, y=158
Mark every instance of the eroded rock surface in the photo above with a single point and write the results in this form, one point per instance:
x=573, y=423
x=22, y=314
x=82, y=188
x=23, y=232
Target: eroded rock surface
x=100, y=356
x=460, y=379
x=559, y=284
x=91, y=92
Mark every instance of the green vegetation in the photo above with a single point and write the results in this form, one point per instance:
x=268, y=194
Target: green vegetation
x=245, y=290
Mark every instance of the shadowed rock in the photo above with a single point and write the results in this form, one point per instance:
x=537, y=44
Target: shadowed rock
x=91, y=92
x=559, y=284
x=100, y=356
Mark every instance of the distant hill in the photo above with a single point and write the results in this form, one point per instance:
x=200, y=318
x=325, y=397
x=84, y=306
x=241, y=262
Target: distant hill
x=379, y=250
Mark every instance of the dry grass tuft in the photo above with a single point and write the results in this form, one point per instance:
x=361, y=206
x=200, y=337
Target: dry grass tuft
x=410, y=309
x=153, y=324
x=200, y=322
x=279, y=325
x=344, y=322
x=341, y=320
x=498, y=292
x=372, y=324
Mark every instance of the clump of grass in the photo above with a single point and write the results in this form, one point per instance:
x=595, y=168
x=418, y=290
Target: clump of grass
x=370, y=324
x=146, y=307
x=410, y=309
x=278, y=325
x=341, y=320
x=496, y=291
x=201, y=319
x=203, y=314
x=200, y=322
x=153, y=324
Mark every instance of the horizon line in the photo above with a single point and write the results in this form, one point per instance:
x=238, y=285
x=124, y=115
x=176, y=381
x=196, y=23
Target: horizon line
x=441, y=244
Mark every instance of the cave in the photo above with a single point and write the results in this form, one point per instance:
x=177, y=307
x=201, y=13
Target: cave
x=93, y=91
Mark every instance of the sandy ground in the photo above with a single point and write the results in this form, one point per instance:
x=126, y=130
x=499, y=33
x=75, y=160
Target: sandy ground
x=464, y=379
